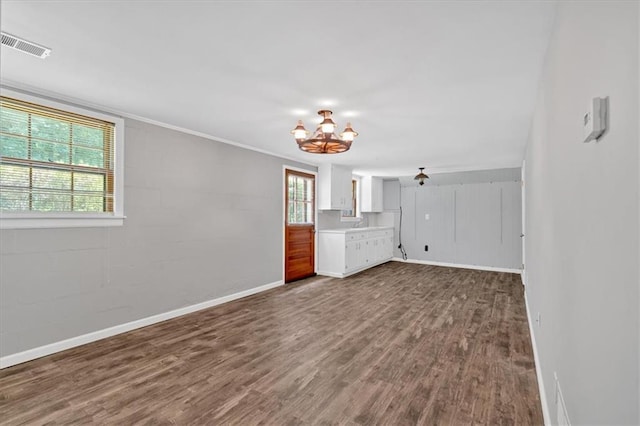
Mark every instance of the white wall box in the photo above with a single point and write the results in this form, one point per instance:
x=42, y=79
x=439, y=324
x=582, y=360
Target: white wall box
x=595, y=120
x=334, y=187
x=344, y=252
x=371, y=194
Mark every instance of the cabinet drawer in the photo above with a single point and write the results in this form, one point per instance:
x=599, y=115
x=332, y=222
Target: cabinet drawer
x=384, y=233
x=355, y=236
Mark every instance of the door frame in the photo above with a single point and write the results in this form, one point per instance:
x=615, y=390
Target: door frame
x=524, y=222
x=284, y=216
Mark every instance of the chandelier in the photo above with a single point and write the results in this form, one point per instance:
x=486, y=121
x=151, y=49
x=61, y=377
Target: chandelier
x=421, y=176
x=324, y=140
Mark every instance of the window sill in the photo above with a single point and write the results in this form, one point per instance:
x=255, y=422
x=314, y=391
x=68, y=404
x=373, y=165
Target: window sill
x=59, y=221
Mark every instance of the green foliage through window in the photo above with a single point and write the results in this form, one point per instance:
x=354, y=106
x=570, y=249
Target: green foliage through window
x=300, y=199
x=54, y=161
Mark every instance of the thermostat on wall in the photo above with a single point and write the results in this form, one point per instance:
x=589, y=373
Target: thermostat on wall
x=595, y=120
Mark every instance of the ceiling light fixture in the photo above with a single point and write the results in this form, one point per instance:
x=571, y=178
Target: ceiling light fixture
x=421, y=176
x=324, y=140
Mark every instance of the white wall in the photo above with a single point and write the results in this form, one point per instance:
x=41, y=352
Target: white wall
x=474, y=218
x=582, y=216
x=204, y=220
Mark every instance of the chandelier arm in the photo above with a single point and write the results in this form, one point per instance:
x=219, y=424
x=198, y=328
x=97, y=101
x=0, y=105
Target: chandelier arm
x=321, y=142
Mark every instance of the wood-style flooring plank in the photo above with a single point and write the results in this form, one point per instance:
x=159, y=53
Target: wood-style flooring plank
x=399, y=344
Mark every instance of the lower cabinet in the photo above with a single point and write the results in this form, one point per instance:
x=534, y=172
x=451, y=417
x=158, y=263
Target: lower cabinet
x=344, y=252
x=353, y=255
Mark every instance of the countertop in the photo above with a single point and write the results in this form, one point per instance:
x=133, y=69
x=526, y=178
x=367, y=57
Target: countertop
x=348, y=230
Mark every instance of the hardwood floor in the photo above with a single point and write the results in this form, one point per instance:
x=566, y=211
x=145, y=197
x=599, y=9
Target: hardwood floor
x=398, y=344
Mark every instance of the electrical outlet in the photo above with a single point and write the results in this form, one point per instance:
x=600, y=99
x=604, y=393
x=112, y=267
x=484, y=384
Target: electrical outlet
x=426, y=248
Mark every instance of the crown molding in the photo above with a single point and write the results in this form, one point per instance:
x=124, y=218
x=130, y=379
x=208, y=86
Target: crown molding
x=30, y=90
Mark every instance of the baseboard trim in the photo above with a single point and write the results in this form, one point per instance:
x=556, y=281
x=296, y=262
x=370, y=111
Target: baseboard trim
x=330, y=274
x=543, y=396
x=356, y=271
x=457, y=265
x=31, y=354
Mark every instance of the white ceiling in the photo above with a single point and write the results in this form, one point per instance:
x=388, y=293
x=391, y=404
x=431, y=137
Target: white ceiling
x=445, y=85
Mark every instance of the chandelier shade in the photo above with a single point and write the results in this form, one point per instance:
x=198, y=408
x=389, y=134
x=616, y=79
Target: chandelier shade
x=420, y=177
x=324, y=140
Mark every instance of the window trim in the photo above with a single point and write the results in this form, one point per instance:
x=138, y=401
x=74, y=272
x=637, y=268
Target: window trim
x=358, y=213
x=292, y=172
x=26, y=220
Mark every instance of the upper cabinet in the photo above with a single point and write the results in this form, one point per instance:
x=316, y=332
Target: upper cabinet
x=371, y=194
x=391, y=195
x=334, y=187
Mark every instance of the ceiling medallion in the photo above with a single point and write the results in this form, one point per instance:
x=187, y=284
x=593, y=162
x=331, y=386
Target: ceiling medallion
x=421, y=176
x=324, y=140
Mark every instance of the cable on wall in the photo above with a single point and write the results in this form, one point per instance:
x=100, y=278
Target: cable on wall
x=404, y=253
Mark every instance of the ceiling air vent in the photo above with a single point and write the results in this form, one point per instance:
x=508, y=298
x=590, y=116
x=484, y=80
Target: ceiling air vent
x=25, y=46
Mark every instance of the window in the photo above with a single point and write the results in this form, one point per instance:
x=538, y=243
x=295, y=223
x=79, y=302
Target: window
x=352, y=213
x=300, y=199
x=57, y=163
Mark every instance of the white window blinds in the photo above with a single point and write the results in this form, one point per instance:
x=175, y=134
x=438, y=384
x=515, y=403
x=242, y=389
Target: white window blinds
x=54, y=161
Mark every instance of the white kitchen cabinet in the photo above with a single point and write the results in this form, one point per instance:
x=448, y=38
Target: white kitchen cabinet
x=343, y=252
x=356, y=255
x=334, y=187
x=371, y=194
x=386, y=251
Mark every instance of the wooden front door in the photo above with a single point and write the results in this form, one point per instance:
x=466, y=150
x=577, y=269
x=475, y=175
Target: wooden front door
x=299, y=238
